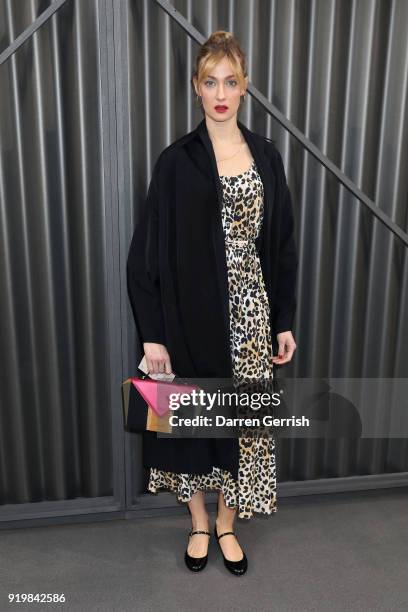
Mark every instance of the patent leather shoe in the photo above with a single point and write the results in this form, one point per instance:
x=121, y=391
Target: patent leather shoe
x=196, y=564
x=238, y=568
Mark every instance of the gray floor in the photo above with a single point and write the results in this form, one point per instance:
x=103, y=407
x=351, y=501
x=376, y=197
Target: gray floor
x=339, y=552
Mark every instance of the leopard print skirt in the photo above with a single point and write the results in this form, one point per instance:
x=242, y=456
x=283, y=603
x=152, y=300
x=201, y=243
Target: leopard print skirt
x=251, y=350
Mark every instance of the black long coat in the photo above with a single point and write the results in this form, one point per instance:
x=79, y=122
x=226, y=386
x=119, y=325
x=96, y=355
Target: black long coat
x=178, y=279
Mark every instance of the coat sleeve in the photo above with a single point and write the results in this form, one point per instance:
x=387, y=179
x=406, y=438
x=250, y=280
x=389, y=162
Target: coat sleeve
x=285, y=299
x=143, y=278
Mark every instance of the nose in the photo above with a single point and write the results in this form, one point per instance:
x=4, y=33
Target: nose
x=220, y=92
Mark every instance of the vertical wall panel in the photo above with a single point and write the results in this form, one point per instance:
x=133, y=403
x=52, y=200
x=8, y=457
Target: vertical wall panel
x=55, y=438
x=15, y=17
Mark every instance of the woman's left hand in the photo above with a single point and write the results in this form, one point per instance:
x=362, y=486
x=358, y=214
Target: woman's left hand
x=287, y=347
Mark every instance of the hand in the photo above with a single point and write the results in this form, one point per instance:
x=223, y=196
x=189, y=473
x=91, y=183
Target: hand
x=157, y=358
x=287, y=347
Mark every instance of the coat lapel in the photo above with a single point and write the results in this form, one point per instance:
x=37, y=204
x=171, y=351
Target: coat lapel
x=257, y=148
x=217, y=229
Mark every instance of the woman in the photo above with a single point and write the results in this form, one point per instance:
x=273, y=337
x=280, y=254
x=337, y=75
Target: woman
x=211, y=277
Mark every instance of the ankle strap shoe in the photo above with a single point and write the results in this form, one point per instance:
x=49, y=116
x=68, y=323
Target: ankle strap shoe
x=196, y=564
x=238, y=568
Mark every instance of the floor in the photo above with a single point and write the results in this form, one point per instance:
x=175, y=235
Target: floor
x=336, y=552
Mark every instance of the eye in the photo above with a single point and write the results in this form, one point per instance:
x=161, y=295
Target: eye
x=208, y=83
x=232, y=82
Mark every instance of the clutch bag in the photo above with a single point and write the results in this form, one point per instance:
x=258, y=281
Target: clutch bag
x=146, y=402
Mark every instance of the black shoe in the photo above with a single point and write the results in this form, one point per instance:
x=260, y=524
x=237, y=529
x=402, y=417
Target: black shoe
x=196, y=564
x=238, y=568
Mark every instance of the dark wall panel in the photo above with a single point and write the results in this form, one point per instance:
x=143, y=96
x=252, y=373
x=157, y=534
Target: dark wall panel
x=15, y=17
x=55, y=437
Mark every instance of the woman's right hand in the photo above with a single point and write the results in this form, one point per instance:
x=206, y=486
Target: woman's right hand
x=157, y=358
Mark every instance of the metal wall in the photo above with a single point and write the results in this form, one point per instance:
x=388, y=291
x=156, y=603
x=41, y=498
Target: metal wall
x=86, y=106
x=339, y=71
x=59, y=409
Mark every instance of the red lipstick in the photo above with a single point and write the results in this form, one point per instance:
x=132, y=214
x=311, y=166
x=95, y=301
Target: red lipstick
x=221, y=109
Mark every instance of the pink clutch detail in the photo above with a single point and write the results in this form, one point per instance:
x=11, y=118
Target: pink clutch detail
x=157, y=393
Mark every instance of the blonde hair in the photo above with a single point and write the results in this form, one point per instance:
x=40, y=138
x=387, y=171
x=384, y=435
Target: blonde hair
x=220, y=44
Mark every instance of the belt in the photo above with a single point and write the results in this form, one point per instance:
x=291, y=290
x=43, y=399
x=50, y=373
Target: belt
x=240, y=242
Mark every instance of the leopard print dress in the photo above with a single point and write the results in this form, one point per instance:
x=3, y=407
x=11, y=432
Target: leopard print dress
x=251, y=350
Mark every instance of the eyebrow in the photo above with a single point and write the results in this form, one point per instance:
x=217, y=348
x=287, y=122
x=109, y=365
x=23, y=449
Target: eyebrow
x=210, y=76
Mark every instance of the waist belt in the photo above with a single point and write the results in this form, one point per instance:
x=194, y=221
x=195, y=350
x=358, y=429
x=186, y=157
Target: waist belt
x=240, y=242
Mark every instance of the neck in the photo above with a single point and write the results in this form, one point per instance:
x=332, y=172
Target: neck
x=223, y=132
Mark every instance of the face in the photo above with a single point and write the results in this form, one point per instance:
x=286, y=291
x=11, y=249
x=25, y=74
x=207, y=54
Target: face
x=220, y=92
